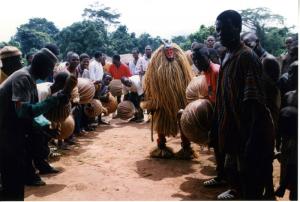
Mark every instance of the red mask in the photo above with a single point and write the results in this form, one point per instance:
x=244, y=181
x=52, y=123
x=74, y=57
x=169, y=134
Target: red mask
x=168, y=49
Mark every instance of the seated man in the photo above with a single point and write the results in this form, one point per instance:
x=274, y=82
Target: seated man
x=133, y=91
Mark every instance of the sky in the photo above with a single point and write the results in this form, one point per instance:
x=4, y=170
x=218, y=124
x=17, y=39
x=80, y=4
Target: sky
x=165, y=18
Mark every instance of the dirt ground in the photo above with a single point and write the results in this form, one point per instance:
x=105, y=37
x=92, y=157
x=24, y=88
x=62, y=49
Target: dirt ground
x=113, y=163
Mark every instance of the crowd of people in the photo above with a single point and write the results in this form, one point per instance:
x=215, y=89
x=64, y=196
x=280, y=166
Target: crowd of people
x=248, y=101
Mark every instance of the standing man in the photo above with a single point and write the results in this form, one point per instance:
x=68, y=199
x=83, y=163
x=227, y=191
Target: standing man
x=19, y=105
x=210, y=41
x=82, y=70
x=95, y=68
x=117, y=70
x=242, y=123
x=285, y=58
x=133, y=63
x=142, y=63
x=105, y=64
x=271, y=72
x=11, y=61
x=73, y=62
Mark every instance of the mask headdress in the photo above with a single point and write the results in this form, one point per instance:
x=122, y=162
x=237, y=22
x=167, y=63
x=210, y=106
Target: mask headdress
x=168, y=50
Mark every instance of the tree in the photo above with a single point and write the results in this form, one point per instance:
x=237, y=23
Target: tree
x=101, y=13
x=259, y=19
x=83, y=37
x=202, y=34
x=146, y=39
x=183, y=41
x=122, y=41
x=274, y=40
x=41, y=25
x=29, y=39
x=34, y=34
x=269, y=28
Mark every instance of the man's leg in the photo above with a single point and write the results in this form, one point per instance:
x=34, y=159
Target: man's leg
x=162, y=151
x=12, y=174
x=252, y=179
x=231, y=166
x=220, y=178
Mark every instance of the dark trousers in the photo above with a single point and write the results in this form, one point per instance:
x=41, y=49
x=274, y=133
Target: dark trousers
x=12, y=175
x=37, y=146
x=79, y=118
x=220, y=160
x=248, y=176
x=136, y=100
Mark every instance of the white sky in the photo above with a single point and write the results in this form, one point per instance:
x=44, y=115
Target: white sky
x=163, y=18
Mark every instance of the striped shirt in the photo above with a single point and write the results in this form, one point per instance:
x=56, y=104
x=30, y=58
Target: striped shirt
x=239, y=81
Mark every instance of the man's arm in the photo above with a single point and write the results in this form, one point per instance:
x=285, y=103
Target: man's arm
x=30, y=111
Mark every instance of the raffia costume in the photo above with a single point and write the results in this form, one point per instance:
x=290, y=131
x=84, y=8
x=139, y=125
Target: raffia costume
x=165, y=83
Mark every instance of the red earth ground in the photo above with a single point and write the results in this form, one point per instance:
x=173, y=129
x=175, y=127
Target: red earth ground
x=113, y=163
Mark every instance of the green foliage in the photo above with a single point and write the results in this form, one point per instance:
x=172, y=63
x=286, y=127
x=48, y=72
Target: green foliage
x=41, y=25
x=83, y=37
x=202, y=34
x=181, y=41
x=146, y=39
x=268, y=27
x=101, y=13
x=122, y=41
x=30, y=38
x=274, y=40
x=34, y=34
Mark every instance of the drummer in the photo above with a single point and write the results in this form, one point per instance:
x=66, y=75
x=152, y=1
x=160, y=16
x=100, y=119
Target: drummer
x=19, y=105
x=117, y=70
x=133, y=91
x=42, y=135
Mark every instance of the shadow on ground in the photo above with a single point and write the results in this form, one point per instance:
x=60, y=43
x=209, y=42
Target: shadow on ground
x=195, y=190
x=158, y=169
x=44, y=190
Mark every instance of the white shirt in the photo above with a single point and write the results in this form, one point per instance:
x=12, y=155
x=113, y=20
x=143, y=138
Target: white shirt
x=136, y=86
x=44, y=90
x=85, y=74
x=95, y=70
x=142, y=64
x=133, y=67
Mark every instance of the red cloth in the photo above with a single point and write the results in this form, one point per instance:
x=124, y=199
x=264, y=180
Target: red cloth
x=211, y=76
x=119, y=72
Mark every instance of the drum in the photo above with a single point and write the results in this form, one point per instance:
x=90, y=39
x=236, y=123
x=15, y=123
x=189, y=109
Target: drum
x=196, y=120
x=111, y=105
x=93, y=109
x=86, y=90
x=115, y=87
x=197, y=89
x=66, y=128
x=126, y=110
x=59, y=113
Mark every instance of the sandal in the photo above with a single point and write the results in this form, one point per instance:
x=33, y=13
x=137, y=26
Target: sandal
x=213, y=182
x=227, y=195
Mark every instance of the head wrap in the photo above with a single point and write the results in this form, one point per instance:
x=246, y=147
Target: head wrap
x=9, y=51
x=49, y=55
